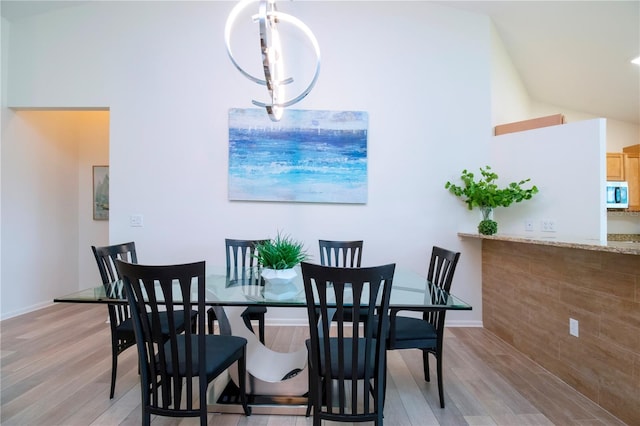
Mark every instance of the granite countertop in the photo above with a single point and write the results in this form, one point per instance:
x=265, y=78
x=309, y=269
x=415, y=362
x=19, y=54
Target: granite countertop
x=622, y=246
x=624, y=237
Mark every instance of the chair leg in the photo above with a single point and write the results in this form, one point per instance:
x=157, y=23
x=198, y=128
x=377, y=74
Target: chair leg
x=317, y=406
x=194, y=325
x=178, y=394
x=379, y=421
x=114, y=369
x=146, y=417
x=440, y=387
x=316, y=416
x=311, y=396
x=247, y=322
x=384, y=382
x=425, y=365
x=310, y=399
x=261, y=329
x=242, y=378
x=203, y=402
x=380, y=394
x=211, y=317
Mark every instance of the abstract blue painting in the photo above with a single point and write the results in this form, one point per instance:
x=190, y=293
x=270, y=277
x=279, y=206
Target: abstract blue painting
x=307, y=156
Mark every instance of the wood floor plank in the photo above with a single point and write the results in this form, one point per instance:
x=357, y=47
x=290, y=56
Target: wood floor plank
x=47, y=395
x=56, y=366
x=558, y=401
x=121, y=409
x=89, y=400
x=393, y=408
x=412, y=400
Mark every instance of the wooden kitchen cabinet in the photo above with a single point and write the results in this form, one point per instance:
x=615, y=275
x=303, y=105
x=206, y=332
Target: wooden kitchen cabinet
x=632, y=175
x=615, y=166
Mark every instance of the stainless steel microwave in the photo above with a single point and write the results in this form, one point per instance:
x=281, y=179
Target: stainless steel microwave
x=617, y=195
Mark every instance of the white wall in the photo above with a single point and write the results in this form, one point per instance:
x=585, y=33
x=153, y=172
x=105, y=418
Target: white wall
x=543, y=154
x=4, y=50
x=567, y=164
x=423, y=71
x=510, y=100
x=39, y=217
x=47, y=221
x=162, y=70
x=619, y=133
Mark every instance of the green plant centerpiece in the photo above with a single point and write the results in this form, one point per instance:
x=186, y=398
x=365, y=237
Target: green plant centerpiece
x=485, y=194
x=282, y=252
x=278, y=257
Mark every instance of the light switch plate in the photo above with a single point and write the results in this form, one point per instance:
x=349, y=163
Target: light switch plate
x=135, y=220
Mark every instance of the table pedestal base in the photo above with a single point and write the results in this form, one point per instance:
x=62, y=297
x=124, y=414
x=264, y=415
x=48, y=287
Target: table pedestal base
x=223, y=398
x=269, y=373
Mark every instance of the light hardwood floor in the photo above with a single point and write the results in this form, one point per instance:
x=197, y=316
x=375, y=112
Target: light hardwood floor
x=56, y=366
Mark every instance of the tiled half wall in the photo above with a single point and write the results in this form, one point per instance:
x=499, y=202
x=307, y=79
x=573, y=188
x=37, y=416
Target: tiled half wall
x=530, y=292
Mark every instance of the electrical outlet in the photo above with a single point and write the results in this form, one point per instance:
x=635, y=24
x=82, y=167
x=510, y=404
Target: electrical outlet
x=548, y=225
x=528, y=225
x=135, y=220
x=574, y=327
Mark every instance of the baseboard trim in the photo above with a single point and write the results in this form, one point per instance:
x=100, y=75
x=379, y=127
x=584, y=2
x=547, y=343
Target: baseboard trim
x=298, y=322
x=32, y=308
x=464, y=323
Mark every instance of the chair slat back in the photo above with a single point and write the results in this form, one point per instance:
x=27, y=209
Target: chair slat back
x=241, y=253
x=346, y=254
x=442, y=267
x=106, y=257
x=170, y=288
x=241, y=257
x=350, y=353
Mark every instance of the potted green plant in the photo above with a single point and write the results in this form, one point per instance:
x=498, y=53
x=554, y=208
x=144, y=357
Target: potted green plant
x=485, y=194
x=278, y=257
x=282, y=252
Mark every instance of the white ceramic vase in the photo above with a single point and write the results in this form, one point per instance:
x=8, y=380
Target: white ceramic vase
x=279, y=283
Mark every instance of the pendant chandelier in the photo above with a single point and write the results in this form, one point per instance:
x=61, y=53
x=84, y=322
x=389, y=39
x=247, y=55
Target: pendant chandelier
x=273, y=58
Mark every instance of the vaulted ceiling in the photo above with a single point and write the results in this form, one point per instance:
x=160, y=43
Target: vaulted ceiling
x=571, y=54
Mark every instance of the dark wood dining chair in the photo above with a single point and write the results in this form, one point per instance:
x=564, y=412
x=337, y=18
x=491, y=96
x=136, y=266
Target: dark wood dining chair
x=170, y=367
x=122, y=335
x=346, y=367
x=240, y=255
x=427, y=333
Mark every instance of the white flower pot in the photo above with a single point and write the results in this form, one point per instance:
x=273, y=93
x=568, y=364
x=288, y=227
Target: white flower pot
x=279, y=284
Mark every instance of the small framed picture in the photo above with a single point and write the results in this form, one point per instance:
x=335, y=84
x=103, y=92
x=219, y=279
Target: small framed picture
x=100, y=192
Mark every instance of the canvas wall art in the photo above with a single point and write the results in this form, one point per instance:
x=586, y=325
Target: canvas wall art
x=308, y=156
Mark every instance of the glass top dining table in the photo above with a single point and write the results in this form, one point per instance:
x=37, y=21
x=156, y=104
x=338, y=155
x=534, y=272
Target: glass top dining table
x=244, y=287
